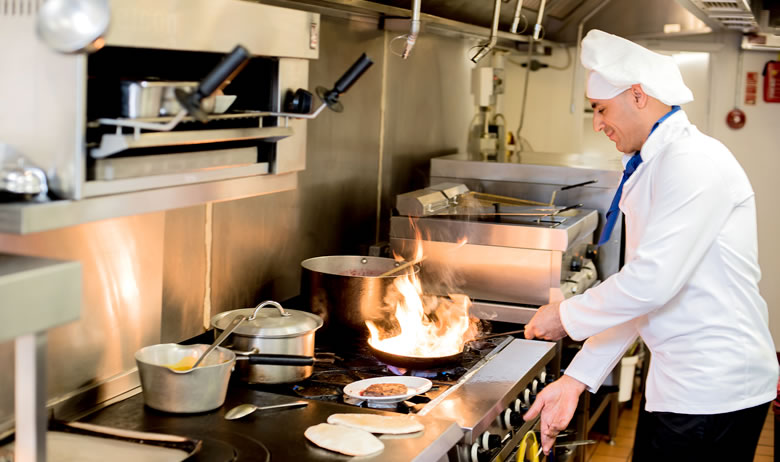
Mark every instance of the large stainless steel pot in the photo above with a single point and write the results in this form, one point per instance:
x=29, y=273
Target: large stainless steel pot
x=346, y=291
x=199, y=390
x=271, y=331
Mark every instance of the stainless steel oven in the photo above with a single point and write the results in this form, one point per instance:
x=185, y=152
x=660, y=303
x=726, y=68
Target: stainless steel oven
x=58, y=108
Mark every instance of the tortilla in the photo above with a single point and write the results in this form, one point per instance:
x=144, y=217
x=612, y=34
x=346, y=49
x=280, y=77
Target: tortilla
x=394, y=425
x=346, y=440
x=385, y=389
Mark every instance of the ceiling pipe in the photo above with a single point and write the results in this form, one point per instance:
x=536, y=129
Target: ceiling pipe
x=486, y=47
x=414, y=30
x=538, y=25
x=516, y=19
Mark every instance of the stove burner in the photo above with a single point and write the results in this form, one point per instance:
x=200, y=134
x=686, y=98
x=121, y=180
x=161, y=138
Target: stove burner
x=396, y=370
x=220, y=446
x=216, y=451
x=354, y=361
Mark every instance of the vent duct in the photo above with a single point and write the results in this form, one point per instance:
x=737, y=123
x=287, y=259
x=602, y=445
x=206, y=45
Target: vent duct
x=19, y=7
x=732, y=15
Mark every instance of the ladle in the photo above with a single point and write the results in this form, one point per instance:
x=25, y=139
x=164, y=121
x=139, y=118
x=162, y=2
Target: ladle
x=234, y=323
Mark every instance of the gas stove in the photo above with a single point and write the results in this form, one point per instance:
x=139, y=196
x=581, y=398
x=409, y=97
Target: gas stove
x=342, y=364
x=485, y=394
x=472, y=413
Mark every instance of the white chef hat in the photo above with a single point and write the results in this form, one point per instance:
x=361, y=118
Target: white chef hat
x=616, y=63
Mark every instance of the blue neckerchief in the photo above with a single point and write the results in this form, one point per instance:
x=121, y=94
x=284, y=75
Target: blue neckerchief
x=631, y=167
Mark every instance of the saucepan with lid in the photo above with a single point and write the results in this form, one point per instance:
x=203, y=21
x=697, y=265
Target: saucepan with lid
x=283, y=338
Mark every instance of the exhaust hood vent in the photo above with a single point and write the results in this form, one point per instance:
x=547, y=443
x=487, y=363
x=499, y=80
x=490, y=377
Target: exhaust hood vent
x=19, y=7
x=730, y=6
x=733, y=15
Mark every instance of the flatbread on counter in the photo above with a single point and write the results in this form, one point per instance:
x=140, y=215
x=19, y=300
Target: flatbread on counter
x=346, y=440
x=394, y=425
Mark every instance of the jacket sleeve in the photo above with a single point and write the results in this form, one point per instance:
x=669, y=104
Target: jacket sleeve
x=690, y=203
x=600, y=353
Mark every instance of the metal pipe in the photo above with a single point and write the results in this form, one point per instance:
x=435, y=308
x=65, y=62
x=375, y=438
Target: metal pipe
x=539, y=16
x=518, y=136
x=516, y=19
x=580, y=28
x=487, y=46
x=414, y=30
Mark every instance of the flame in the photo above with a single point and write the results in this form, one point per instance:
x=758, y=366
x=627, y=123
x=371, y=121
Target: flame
x=424, y=325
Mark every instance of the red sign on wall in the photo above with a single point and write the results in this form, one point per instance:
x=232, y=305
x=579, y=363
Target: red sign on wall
x=751, y=88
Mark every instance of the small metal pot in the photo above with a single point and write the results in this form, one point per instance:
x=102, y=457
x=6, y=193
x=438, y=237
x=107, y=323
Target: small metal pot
x=277, y=331
x=203, y=389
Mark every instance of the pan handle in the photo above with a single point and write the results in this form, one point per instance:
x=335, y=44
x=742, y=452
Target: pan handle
x=585, y=183
x=281, y=360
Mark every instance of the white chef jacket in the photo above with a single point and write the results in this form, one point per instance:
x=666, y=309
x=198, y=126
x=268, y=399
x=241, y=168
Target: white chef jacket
x=689, y=286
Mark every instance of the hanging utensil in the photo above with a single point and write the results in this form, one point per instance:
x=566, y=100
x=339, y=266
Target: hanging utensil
x=73, y=26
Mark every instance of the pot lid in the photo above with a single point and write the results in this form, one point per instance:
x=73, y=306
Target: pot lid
x=269, y=320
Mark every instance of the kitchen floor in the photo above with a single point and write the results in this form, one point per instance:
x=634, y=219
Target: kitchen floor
x=624, y=441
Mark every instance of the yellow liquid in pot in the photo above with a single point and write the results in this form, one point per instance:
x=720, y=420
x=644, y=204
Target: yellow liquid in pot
x=184, y=364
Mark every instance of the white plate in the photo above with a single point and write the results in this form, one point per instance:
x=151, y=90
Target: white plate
x=414, y=386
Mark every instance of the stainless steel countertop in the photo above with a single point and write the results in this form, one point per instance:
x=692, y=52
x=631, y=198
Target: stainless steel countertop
x=37, y=294
x=281, y=431
x=477, y=401
x=537, y=167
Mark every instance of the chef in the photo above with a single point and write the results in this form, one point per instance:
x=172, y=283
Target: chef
x=689, y=286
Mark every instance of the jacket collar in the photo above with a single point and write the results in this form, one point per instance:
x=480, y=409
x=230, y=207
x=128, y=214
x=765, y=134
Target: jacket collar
x=664, y=134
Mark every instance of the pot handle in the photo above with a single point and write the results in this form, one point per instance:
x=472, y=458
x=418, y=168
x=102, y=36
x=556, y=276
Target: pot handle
x=267, y=303
x=281, y=360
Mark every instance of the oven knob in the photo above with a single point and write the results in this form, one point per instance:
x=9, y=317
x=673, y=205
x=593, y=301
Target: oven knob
x=512, y=419
x=519, y=406
x=535, y=387
x=543, y=377
x=490, y=441
x=494, y=441
x=527, y=397
x=591, y=251
x=576, y=264
x=478, y=454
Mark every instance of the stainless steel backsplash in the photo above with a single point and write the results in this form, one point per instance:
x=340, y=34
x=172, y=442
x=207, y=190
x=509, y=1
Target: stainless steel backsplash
x=160, y=277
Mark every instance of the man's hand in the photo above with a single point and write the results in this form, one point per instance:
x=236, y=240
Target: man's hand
x=557, y=403
x=546, y=323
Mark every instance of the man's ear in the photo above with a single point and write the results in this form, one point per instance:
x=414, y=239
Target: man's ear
x=638, y=96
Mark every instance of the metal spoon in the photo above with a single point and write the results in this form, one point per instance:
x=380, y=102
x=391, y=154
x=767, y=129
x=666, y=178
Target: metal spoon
x=243, y=410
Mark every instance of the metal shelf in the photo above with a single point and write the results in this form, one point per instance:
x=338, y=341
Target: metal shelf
x=25, y=217
x=166, y=119
x=117, y=142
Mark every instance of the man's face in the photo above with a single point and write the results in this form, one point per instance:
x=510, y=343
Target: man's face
x=619, y=118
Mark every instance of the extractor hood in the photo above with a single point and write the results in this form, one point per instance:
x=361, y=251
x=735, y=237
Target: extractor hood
x=728, y=14
x=747, y=16
x=628, y=18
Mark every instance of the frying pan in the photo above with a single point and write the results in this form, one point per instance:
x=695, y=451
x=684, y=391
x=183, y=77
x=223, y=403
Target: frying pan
x=415, y=362
x=428, y=362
